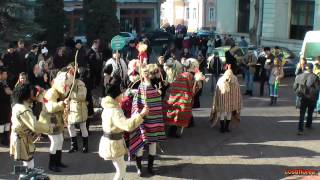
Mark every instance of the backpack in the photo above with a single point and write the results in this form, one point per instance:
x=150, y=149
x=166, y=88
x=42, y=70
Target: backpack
x=302, y=89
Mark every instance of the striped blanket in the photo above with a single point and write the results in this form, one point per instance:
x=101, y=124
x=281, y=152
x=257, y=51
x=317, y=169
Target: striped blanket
x=178, y=101
x=152, y=129
x=229, y=101
x=226, y=102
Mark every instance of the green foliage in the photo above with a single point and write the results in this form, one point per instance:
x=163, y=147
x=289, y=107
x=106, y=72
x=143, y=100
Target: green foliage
x=100, y=19
x=16, y=20
x=49, y=14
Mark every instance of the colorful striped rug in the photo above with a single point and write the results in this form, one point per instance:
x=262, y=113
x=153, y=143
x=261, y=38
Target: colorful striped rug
x=178, y=101
x=152, y=129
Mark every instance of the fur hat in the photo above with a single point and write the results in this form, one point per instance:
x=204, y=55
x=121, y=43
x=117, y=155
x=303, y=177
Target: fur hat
x=63, y=82
x=113, y=87
x=151, y=70
x=193, y=65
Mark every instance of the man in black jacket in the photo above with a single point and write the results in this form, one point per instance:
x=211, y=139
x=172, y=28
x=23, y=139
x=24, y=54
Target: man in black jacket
x=131, y=52
x=21, y=53
x=10, y=61
x=215, y=68
x=231, y=59
x=307, y=86
x=95, y=63
x=263, y=73
x=32, y=59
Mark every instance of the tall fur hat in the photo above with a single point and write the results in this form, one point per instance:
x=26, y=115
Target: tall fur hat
x=63, y=82
x=152, y=70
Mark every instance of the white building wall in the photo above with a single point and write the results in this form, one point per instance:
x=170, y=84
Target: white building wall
x=269, y=15
x=317, y=16
x=226, y=16
x=282, y=20
x=193, y=23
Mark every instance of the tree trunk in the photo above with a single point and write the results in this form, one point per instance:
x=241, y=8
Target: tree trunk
x=253, y=31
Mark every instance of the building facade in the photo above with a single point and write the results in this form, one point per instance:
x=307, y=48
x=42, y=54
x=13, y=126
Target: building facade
x=195, y=14
x=282, y=22
x=139, y=15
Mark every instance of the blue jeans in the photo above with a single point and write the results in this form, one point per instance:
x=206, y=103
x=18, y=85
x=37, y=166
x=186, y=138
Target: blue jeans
x=273, y=91
x=249, y=80
x=214, y=80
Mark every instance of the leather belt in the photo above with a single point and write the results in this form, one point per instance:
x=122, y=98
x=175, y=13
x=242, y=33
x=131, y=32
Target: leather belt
x=113, y=136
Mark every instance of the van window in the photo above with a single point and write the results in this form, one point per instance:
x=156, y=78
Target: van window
x=312, y=50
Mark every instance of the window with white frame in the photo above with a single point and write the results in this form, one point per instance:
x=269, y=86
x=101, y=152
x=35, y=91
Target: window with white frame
x=187, y=13
x=194, y=13
x=212, y=14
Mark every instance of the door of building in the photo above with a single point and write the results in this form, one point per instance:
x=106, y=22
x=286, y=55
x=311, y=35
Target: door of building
x=139, y=19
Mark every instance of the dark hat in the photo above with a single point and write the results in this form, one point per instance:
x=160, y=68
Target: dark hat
x=267, y=49
x=12, y=45
x=3, y=69
x=113, y=87
x=309, y=67
x=108, y=69
x=34, y=46
x=78, y=41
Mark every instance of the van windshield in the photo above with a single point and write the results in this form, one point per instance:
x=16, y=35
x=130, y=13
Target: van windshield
x=312, y=50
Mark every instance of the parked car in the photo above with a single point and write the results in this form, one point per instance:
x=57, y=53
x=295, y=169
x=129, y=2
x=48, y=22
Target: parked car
x=205, y=33
x=159, y=37
x=223, y=49
x=128, y=36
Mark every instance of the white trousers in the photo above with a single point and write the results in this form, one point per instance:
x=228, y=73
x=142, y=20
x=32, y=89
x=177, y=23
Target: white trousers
x=83, y=129
x=120, y=166
x=29, y=164
x=5, y=127
x=152, y=150
x=224, y=115
x=56, y=142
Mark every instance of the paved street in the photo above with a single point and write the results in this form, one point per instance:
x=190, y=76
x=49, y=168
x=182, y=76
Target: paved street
x=263, y=146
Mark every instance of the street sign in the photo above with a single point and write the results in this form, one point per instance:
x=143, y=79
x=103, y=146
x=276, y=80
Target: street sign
x=118, y=42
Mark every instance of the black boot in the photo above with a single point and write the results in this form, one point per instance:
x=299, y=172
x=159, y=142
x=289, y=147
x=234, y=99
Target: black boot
x=271, y=100
x=5, y=138
x=59, y=156
x=275, y=100
x=88, y=124
x=226, y=127
x=251, y=93
x=53, y=163
x=191, y=124
x=1, y=138
x=222, y=126
x=85, y=147
x=247, y=93
x=74, y=145
x=139, y=166
x=150, y=164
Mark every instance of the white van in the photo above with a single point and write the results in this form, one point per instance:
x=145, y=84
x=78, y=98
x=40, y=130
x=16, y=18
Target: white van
x=311, y=46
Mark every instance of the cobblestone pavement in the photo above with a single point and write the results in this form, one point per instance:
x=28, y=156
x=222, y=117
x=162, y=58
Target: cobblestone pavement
x=262, y=146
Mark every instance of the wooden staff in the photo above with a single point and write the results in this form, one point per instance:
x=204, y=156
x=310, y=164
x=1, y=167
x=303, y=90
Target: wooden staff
x=67, y=108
